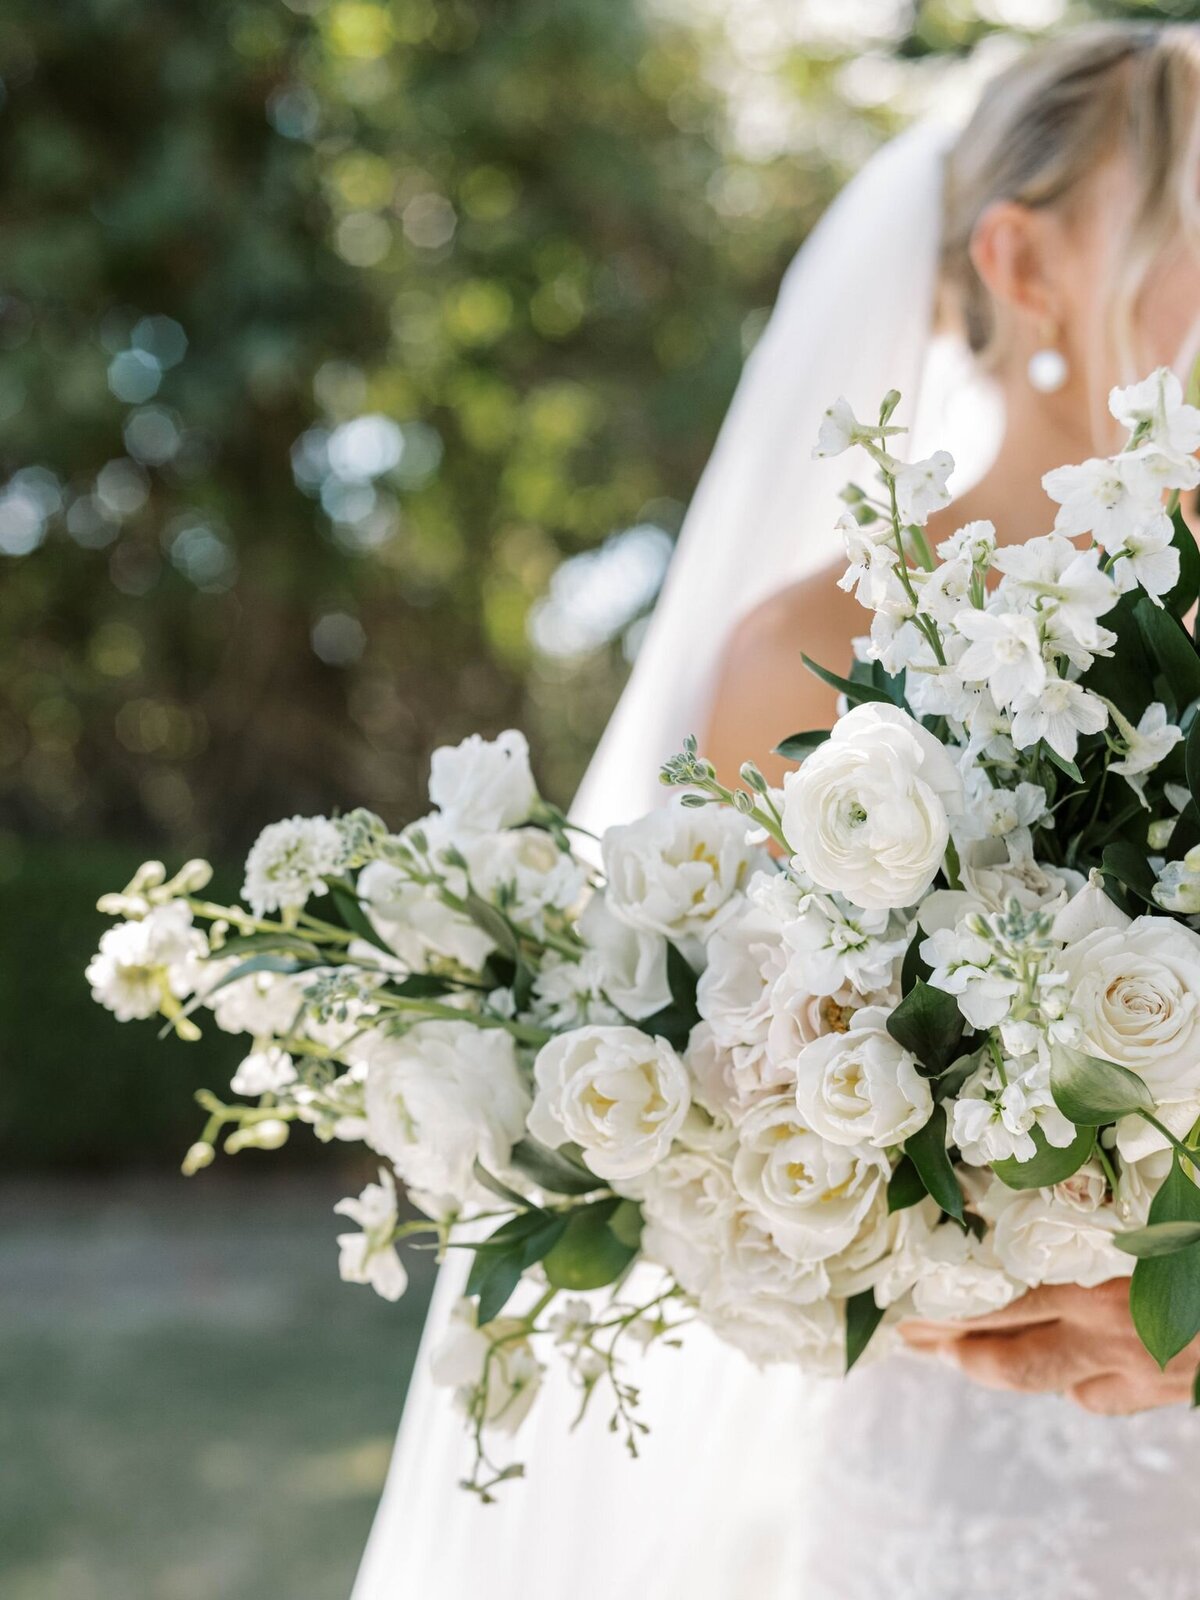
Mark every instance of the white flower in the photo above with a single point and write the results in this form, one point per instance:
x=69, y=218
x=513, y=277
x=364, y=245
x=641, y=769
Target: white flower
x=441, y=1097
x=688, y=1201
x=974, y=542
x=1178, y=886
x=1143, y=748
x=834, y=945
x=962, y=966
x=141, y=964
x=629, y=966
x=728, y=1079
x=525, y=872
x=946, y=591
x=921, y=487
x=810, y=1337
x=482, y=785
x=676, y=870
x=734, y=994
x=1136, y=994
x=861, y=1087
x=871, y=574
x=264, y=1071
x=1087, y=910
x=415, y=922
x=514, y=1373
x=950, y=1273
x=1005, y=653
x=1059, y=715
x=1064, y=585
x=1146, y=556
x=1156, y=407
x=1062, y=1235
x=1107, y=498
x=868, y=813
x=289, y=861
x=371, y=1256
x=619, y=1094
x=839, y=429
x=818, y=1191
x=260, y=1003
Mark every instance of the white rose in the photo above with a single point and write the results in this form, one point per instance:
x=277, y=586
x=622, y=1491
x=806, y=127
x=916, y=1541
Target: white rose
x=629, y=965
x=949, y=1273
x=414, y=921
x=729, y=1079
x=868, y=813
x=677, y=871
x=1061, y=1235
x=441, y=1097
x=1136, y=994
x=619, y=1094
x=861, y=1087
x=820, y=1192
x=514, y=1372
x=483, y=785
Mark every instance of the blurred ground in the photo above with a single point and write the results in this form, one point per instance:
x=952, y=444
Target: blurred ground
x=194, y=1404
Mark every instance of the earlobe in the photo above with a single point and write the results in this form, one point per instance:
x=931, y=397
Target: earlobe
x=1008, y=251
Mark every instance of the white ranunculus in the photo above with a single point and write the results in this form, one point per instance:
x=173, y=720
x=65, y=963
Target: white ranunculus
x=949, y=1273
x=820, y=1192
x=868, y=813
x=619, y=1094
x=371, y=1256
x=414, y=921
x=629, y=965
x=1061, y=1235
x=290, y=861
x=148, y=961
x=482, y=785
x=677, y=871
x=514, y=1373
x=861, y=1087
x=441, y=1097
x=1136, y=994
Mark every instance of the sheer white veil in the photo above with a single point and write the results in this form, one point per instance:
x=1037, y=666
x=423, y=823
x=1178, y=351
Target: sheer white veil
x=707, y=1510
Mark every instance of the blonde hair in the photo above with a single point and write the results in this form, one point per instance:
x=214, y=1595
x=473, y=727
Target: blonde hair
x=1048, y=123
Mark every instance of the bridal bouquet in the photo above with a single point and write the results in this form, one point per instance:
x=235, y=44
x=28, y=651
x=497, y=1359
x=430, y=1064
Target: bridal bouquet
x=913, y=1033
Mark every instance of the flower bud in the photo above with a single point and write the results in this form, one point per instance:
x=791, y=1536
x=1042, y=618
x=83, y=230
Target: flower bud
x=200, y=1155
x=269, y=1134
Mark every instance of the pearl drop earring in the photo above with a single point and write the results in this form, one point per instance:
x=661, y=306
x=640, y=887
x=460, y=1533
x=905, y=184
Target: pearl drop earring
x=1048, y=366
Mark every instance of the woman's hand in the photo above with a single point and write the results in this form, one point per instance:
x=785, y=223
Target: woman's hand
x=1078, y=1342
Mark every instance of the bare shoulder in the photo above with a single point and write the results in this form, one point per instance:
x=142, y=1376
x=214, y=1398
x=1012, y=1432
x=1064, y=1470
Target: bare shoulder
x=764, y=692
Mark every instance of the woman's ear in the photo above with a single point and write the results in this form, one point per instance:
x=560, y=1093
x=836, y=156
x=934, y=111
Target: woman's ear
x=1012, y=250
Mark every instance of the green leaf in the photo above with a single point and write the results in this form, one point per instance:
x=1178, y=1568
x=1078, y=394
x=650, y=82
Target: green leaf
x=419, y=986
x=675, y=1021
x=498, y=1188
x=281, y=940
x=349, y=908
x=1049, y=1165
x=495, y=924
x=1069, y=767
x=914, y=965
x=1196, y=1389
x=590, y=1253
x=507, y=1254
x=1191, y=757
x=905, y=1187
x=1128, y=866
x=553, y=1170
x=626, y=1223
x=856, y=693
x=1180, y=600
x=1164, y=1294
x=863, y=1316
x=1158, y=1239
x=1091, y=1092
x=929, y=1025
x=799, y=745
x=927, y=1150
x=1168, y=643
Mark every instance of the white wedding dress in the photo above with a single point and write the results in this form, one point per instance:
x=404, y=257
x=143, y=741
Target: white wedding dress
x=905, y=1482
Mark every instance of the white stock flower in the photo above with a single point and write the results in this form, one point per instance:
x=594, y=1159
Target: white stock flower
x=259, y=1003
x=441, y=1097
x=861, y=1087
x=868, y=812
x=1136, y=994
x=1005, y=653
x=834, y=945
x=289, y=861
x=677, y=870
x=142, y=963
x=370, y=1256
x=1060, y=1235
x=1143, y=748
x=514, y=1373
x=946, y=591
x=619, y=1094
x=629, y=965
x=1065, y=586
x=1156, y=406
x=1062, y=712
x=818, y=1191
x=948, y=1271
x=962, y=962
x=264, y=1071
x=871, y=574
x=921, y=487
x=415, y=922
x=481, y=785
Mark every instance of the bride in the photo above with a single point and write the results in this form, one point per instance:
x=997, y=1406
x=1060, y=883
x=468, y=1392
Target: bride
x=1068, y=215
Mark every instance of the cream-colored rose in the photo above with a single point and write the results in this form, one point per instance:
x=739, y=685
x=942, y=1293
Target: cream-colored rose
x=868, y=813
x=861, y=1087
x=1135, y=992
x=1060, y=1235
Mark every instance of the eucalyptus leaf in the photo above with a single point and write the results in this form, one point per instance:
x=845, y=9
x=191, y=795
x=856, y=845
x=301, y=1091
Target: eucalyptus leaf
x=927, y=1150
x=863, y=1316
x=1164, y=1293
x=1049, y=1165
x=1091, y=1092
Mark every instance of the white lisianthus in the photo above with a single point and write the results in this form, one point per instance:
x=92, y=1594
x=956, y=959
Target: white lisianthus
x=677, y=870
x=441, y=1097
x=370, y=1256
x=514, y=1374
x=746, y=956
x=290, y=861
x=861, y=1087
x=264, y=1071
x=619, y=1094
x=948, y=1271
x=482, y=785
x=1062, y=711
x=1136, y=995
x=818, y=1191
x=810, y=1336
x=728, y=1079
x=1060, y=1235
x=868, y=813
x=921, y=487
x=415, y=922
x=142, y=963
x=629, y=966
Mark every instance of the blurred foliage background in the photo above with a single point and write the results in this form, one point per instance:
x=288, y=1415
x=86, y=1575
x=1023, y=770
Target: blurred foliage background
x=357, y=361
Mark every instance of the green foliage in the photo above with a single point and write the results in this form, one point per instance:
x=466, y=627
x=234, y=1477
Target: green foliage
x=1091, y=1092
x=1164, y=1295
x=1050, y=1165
x=599, y=1241
x=863, y=1316
x=929, y=1025
x=927, y=1151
